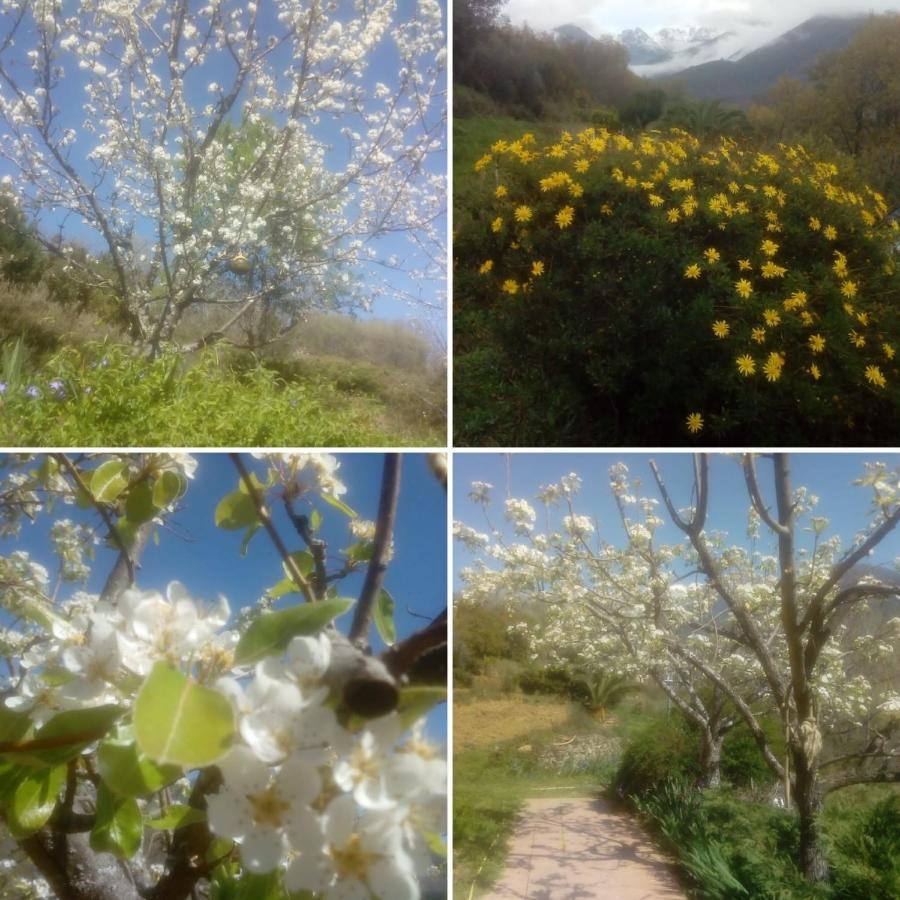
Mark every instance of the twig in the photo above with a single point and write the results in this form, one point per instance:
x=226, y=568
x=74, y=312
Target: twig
x=266, y=519
x=401, y=657
x=384, y=529
x=63, y=460
x=317, y=548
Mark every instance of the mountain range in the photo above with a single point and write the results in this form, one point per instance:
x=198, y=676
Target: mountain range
x=735, y=66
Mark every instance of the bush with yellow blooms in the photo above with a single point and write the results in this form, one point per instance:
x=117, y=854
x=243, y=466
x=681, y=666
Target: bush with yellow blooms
x=616, y=290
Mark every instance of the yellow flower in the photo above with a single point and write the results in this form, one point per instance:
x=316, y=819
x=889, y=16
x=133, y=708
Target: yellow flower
x=582, y=165
x=575, y=190
x=772, y=368
x=857, y=339
x=746, y=364
x=483, y=163
x=888, y=350
x=510, y=286
x=770, y=248
x=770, y=270
x=744, y=265
x=694, y=422
x=655, y=200
x=537, y=268
x=758, y=334
x=744, y=288
x=486, y=267
x=849, y=289
x=814, y=371
x=862, y=318
x=497, y=224
x=712, y=255
x=830, y=233
x=565, y=216
x=772, y=317
x=815, y=224
x=806, y=317
x=500, y=192
x=816, y=343
x=874, y=376
x=840, y=266
x=720, y=328
x=692, y=271
x=523, y=213
x=673, y=215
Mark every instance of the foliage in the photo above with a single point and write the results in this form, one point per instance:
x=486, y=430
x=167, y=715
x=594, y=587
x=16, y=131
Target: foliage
x=767, y=300
x=662, y=748
x=482, y=634
x=743, y=764
x=77, y=399
x=553, y=681
x=21, y=257
x=605, y=690
x=134, y=716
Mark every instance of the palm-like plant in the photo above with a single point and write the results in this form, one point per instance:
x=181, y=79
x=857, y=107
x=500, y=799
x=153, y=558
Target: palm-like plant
x=703, y=118
x=605, y=690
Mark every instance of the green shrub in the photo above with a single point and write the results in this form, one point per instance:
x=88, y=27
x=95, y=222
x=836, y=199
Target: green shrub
x=107, y=395
x=611, y=290
x=481, y=634
x=663, y=748
x=866, y=852
x=553, y=680
x=743, y=764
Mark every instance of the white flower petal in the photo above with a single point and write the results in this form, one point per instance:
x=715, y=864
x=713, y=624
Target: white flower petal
x=262, y=849
x=340, y=820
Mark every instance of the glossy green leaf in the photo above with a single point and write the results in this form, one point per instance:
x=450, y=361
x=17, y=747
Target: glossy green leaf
x=248, y=536
x=126, y=770
x=338, y=504
x=108, y=482
x=118, y=827
x=384, y=617
x=66, y=735
x=315, y=520
x=139, y=506
x=435, y=842
x=34, y=800
x=254, y=480
x=360, y=552
x=13, y=725
x=416, y=701
x=177, y=816
x=180, y=722
x=303, y=560
x=271, y=633
x=235, y=511
x=285, y=586
x=169, y=486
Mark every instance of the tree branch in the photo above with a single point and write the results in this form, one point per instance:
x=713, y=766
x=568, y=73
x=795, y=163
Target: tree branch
x=384, y=529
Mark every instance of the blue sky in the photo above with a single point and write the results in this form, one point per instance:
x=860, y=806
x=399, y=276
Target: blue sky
x=828, y=475
x=206, y=559
x=383, y=67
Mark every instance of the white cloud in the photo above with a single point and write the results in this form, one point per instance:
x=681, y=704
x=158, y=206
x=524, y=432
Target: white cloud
x=613, y=16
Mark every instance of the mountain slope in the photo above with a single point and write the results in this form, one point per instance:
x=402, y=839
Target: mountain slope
x=793, y=53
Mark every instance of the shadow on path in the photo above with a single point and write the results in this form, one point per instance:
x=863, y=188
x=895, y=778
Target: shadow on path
x=580, y=849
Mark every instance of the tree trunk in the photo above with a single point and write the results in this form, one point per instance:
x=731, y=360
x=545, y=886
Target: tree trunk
x=710, y=760
x=808, y=797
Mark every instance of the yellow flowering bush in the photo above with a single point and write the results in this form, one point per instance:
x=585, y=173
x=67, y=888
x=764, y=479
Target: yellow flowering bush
x=668, y=291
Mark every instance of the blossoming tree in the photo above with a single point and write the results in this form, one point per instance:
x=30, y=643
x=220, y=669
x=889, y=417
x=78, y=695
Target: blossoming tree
x=153, y=745
x=346, y=105
x=728, y=632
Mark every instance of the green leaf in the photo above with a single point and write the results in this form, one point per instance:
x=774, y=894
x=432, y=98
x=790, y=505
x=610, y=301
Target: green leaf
x=315, y=520
x=285, y=586
x=169, y=486
x=416, y=701
x=384, y=617
x=338, y=504
x=270, y=634
x=34, y=800
x=303, y=560
x=435, y=842
x=242, y=485
x=13, y=725
x=107, y=482
x=139, y=507
x=127, y=771
x=360, y=552
x=66, y=735
x=248, y=535
x=235, y=511
x=181, y=722
x=118, y=827
x=177, y=816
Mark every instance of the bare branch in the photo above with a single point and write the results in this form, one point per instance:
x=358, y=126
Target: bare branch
x=384, y=529
x=749, y=467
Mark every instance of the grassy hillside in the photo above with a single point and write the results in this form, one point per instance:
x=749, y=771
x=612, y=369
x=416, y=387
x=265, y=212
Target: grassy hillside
x=71, y=378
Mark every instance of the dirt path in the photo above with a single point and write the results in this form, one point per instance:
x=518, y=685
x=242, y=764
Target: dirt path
x=580, y=848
